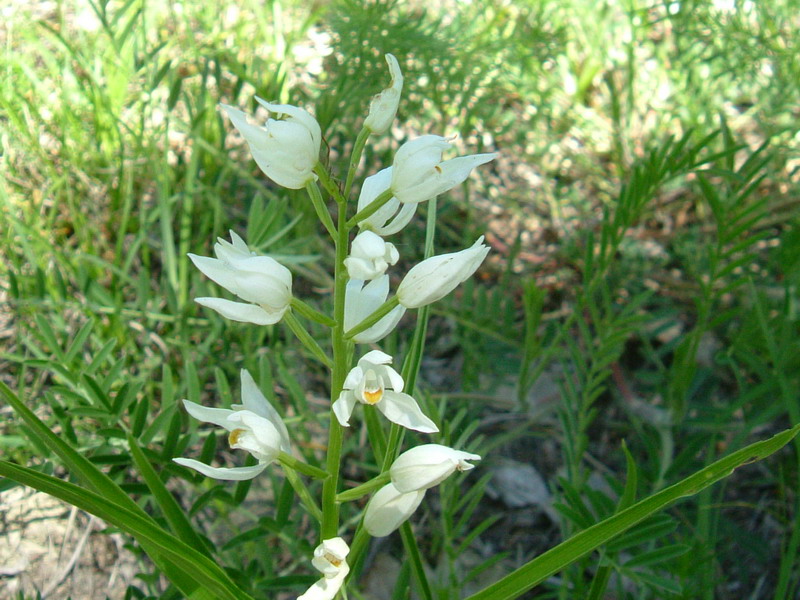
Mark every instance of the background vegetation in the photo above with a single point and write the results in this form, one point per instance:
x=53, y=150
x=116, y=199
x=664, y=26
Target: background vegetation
x=642, y=289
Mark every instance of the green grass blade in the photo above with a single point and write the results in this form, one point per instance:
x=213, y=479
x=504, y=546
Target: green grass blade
x=78, y=465
x=554, y=560
x=213, y=581
x=177, y=519
x=99, y=482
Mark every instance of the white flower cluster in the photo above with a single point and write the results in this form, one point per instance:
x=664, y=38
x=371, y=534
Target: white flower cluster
x=287, y=151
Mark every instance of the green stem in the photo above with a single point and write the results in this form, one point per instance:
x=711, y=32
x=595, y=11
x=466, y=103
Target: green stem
x=330, y=185
x=330, y=508
x=383, y=310
x=363, y=489
x=311, y=313
x=321, y=209
x=371, y=208
x=302, y=492
x=355, y=158
x=287, y=460
x=309, y=342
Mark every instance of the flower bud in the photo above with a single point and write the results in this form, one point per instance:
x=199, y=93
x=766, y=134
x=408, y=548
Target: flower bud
x=383, y=107
x=389, y=508
x=286, y=151
x=370, y=256
x=423, y=467
x=435, y=277
x=419, y=174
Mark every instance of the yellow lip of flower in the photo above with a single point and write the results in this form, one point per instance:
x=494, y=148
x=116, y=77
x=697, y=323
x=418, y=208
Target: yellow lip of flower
x=233, y=437
x=333, y=559
x=373, y=396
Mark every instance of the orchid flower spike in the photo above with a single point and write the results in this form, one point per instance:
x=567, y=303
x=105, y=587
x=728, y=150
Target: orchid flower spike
x=423, y=467
x=392, y=216
x=367, y=383
x=383, y=107
x=360, y=301
x=286, y=151
x=370, y=256
x=419, y=174
x=437, y=276
x=389, y=508
x=260, y=280
x=254, y=426
x=329, y=559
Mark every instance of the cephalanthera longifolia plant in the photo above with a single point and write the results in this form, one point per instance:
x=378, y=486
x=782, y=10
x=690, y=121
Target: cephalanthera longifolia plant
x=287, y=150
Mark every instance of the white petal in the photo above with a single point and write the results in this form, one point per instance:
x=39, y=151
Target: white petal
x=374, y=186
x=269, y=440
x=343, y=407
x=395, y=379
x=360, y=268
x=404, y=410
x=383, y=107
x=297, y=114
x=255, y=401
x=228, y=474
x=227, y=251
x=382, y=328
x=401, y=219
x=242, y=312
x=217, y=416
x=375, y=357
x=425, y=466
x=435, y=277
x=217, y=271
x=389, y=508
x=325, y=589
x=332, y=548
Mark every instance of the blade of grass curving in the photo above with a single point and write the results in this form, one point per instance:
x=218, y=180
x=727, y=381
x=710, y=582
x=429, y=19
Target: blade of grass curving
x=554, y=560
x=213, y=581
x=177, y=519
x=94, y=478
x=77, y=464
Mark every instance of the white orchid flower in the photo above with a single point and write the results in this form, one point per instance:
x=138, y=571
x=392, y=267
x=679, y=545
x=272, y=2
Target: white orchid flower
x=260, y=280
x=419, y=173
x=437, y=276
x=254, y=426
x=370, y=256
x=329, y=559
x=360, y=301
x=389, y=508
x=379, y=222
x=423, y=467
x=383, y=107
x=375, y=383
x=287, y=150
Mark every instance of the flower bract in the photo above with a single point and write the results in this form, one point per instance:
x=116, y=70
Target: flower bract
x=254, y=426
x=264, y=283
x=435, y=277
x=375, y=383
x=285, y=150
